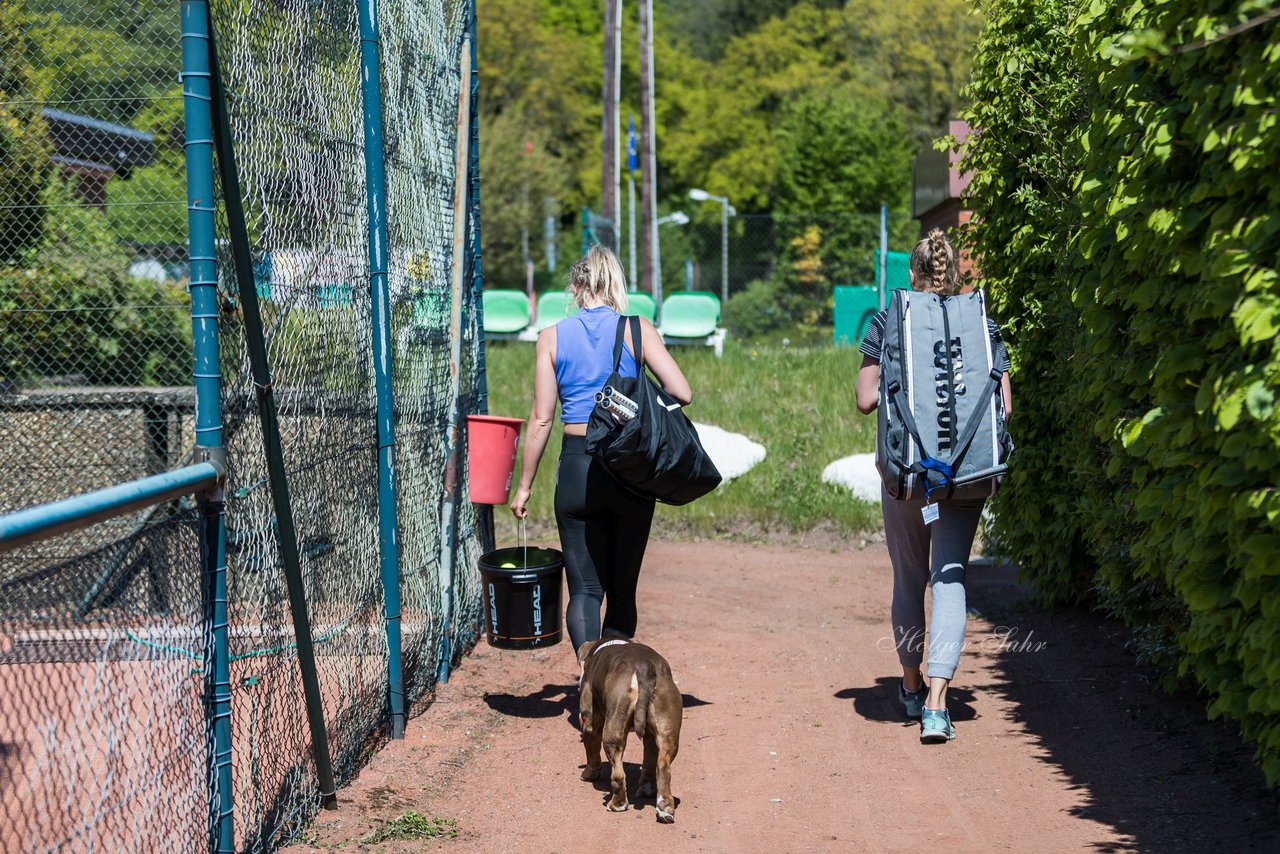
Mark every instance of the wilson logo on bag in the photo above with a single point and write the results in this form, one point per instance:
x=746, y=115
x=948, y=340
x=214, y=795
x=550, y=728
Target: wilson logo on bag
x=941, y=420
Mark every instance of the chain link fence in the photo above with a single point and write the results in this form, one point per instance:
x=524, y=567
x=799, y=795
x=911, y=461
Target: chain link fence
x=760, y=247
x=104, y=713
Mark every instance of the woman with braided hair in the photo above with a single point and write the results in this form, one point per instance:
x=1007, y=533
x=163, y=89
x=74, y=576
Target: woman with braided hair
x=934, y=269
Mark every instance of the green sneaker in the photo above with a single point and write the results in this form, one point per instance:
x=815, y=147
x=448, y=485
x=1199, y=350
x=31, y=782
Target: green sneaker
x=913, y=701
x=935, y=726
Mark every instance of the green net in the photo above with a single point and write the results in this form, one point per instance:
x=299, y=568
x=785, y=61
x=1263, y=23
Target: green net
x=102, y=728
x=103, y=716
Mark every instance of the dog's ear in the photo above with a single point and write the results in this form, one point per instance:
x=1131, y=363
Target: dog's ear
x=586, y=648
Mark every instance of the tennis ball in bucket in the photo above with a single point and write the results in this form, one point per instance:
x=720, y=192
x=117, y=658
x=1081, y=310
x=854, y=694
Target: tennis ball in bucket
x=508, y=565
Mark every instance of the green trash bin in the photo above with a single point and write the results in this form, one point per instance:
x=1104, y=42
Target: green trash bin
x=897, y=268
x=855, y=305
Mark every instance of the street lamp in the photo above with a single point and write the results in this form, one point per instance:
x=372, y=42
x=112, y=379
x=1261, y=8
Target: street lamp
x=679, y=218
x=726, y=210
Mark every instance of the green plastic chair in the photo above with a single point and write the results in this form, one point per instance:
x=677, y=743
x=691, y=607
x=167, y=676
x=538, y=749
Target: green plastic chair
x=506, y=312
x=854, y=308
x=708, y=295
x=644, y=305
x=554, y=306
x=690, y=314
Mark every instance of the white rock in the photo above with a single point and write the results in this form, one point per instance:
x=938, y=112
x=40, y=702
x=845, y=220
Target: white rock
x=733, y=453
x=858, y=473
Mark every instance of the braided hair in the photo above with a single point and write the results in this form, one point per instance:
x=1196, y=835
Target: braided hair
x=936, y=264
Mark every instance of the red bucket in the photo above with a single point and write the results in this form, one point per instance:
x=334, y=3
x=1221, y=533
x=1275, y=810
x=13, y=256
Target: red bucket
x=491, y=456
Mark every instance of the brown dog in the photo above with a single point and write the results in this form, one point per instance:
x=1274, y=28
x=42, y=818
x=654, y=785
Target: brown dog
x=626, y=685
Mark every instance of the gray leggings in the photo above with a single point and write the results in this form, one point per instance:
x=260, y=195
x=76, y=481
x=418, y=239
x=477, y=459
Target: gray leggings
x=909, y=541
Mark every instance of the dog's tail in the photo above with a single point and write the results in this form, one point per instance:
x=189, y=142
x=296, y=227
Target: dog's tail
x=646, y=681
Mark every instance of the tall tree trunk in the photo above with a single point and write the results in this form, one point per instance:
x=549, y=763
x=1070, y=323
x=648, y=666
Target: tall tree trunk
x=609, y=120
x=648, y=180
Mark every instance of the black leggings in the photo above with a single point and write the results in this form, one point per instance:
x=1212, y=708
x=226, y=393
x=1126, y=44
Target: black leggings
x=603, y=531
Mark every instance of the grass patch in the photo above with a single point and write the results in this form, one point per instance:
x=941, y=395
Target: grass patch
x=411, y=826
x=796, y=401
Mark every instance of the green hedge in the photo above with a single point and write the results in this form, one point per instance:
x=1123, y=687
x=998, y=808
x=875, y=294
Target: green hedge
x=1126, y=173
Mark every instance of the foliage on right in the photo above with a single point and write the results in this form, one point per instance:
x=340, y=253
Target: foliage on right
x=1126, y=177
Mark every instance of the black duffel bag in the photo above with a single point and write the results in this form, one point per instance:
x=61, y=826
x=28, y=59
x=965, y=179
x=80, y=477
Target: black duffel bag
x=656, y=453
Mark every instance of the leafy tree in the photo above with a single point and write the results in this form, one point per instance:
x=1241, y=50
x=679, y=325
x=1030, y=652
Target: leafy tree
x=810, y=289
x=541, y=61
x=514, y=148
x=108, y=57
x=729, y=74
x=70, y=309
x=915, y=53
x=708, y=25
x=149, y=206
x=721, y=138
x=840, y=158
x=840, y=153
x=24, y=142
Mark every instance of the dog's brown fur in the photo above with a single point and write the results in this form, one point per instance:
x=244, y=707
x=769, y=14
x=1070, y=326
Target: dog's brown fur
x=626, y=686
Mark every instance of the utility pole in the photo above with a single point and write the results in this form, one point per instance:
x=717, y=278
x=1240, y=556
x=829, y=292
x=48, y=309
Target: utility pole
x=648, y=178
x=609, y=118
x=615, y=216
x=632, y=165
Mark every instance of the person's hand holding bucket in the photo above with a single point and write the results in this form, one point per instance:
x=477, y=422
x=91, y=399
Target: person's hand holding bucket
x=519, y=502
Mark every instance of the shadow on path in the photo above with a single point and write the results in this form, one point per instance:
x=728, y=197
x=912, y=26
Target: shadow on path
x=880, y=702
x=1148, y=764
x=552, y=701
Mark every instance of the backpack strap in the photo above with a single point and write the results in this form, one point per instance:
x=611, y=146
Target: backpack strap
x=637, y=346
x=931, y=464
x=926, y=463
x=975, y=418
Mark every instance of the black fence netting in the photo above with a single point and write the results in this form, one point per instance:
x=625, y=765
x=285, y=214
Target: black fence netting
x=106, y=719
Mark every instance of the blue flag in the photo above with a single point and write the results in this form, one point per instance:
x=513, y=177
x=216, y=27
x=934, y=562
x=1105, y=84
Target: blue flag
x=632, y=160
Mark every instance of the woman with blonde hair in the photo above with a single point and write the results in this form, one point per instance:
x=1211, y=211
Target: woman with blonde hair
x=604, y=528
x=934, y=269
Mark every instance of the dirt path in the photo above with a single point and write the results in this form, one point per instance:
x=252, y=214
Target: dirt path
x=794, y=740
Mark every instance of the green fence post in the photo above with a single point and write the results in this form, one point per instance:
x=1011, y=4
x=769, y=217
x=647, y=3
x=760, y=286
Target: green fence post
x=376, y=202
x=207, y=376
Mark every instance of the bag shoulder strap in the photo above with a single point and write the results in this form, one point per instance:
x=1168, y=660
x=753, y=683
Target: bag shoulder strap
x=637, y=347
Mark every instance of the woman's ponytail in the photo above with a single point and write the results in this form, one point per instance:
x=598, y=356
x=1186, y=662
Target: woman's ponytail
x=599, y=275
x=936, y=264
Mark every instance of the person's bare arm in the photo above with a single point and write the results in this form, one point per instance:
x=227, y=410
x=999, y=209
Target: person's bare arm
x=541, y=418
x=662, y=364
x=868, y=386
x=1006, y=392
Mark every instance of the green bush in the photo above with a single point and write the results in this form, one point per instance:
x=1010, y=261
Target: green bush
x=24, y=140
x=70, y=309
x=1124, y=193
x=757, y=310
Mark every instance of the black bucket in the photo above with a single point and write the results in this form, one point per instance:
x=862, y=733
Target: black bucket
x=522, y=599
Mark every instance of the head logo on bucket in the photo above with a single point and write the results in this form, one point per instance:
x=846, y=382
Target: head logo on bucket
x=493, y=612
x=537, y=610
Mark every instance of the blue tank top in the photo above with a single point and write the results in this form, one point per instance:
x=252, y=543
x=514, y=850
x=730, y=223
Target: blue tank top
x=584, y=360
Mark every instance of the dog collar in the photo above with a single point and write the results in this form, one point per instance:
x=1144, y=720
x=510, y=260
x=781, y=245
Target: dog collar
x=608, y=643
